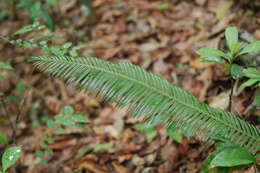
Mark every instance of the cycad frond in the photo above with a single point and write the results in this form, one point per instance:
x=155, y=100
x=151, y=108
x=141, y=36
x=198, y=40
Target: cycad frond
x=151, y=96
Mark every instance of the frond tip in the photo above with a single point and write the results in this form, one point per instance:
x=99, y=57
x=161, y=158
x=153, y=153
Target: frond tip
x=151, y=96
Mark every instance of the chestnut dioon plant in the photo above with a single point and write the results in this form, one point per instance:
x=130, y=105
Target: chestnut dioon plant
x=150, y=96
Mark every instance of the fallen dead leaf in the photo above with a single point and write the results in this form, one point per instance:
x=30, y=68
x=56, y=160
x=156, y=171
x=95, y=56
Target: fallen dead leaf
x=92, y=166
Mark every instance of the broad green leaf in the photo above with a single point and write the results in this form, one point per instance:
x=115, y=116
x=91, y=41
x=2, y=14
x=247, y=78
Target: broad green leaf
x=210, y=52
x=236, y=71
x=2, y=77
x=86, y=10
x=235, y=48
x=10, y=156
x=67, y=45
x=40, y=154
x=68, y=110
x=80, y=118
x=49, y=140
x=231, y=157
x=231, y=35
x=252, y=47
x=257, y=99
x=43, y=144
x=205, y=166
x=53, y=2
x=5, y=66
x=59, y=131
x=35, y=11
x=151, y=133
x=176, y=136
x=249, y=83
x=50, y=123
x=65, y=120
x=48, y=152
x=141, y=127
x=252, y=73
x=3, y=14
x=221, y=170
x=29, y=28
x=3, y=139
x=21, y=87
x=24, y=4
x=214, y=59
x=47, y=18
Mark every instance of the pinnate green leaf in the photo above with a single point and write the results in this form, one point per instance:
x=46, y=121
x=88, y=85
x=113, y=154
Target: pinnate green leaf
x=10, y=156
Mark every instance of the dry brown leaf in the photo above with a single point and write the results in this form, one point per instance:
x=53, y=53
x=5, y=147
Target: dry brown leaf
x=91, y=166
x=119, y=168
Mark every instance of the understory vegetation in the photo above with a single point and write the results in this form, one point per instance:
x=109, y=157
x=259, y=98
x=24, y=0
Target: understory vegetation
x=137, y=100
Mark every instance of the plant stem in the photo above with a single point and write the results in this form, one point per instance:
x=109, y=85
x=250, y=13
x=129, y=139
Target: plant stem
x=231, y=95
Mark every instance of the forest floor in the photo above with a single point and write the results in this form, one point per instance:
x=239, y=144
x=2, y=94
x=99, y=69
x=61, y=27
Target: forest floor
x=160, y=39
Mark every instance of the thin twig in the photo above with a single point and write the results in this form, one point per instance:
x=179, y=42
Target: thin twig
x=231, y=95
x=17, y=118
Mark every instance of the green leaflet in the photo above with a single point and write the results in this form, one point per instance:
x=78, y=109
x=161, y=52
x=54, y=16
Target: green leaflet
x=151, y=96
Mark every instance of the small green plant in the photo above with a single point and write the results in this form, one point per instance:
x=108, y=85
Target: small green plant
x=67, y=118
x=231, y=58
x=10, y=156
x=44, y=41
x=232, y=157
x=38, y=9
